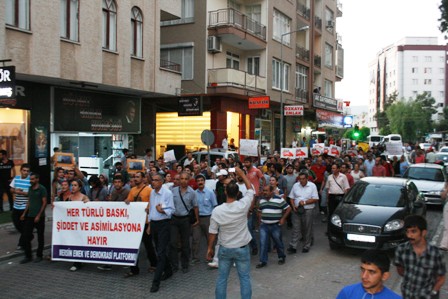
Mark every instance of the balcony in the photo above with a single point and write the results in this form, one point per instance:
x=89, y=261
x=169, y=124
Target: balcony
x=318, y=22
x=170, y=66
x=339, y=62
x=302, y=95
x=302, y=53
x=338, y=9
x=303, y=10
x=317, y=61
x=231, y=81
x=236, y=29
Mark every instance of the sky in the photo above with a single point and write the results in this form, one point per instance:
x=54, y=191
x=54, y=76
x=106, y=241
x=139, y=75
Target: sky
x=367, y=27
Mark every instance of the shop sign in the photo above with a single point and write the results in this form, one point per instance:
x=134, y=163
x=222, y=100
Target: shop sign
x=259, y=102
x=7, y=82
x=328, y=119
x=293, y=110
x=80, y=111
x=190, y=106
x=326, y=103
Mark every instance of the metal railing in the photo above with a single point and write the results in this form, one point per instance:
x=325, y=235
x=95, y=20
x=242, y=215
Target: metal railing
x=175, y=67
x=318, y=22
x=317, y=61
x=232, y=17
x=236, y=78
x=303, y=10
x=302, y=95
x=302, y=53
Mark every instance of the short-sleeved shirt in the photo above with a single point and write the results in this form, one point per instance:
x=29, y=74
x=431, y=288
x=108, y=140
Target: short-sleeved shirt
x=230, y=219
x=97, y=195
x=338, y=184
x=356, y=291
x=206, y=201
x=254, y=175
x=120, y=196
x=35, y=202
x=291, y=179
x=272, y=209
x=23, y=184
x=5, y=171
x=420, y=272
x=140, y=194
x=368, y=166
x=189, y=198
x=299, y=193
x=379, y=170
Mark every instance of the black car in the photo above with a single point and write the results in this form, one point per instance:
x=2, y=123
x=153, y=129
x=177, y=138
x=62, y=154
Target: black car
x=372, y=212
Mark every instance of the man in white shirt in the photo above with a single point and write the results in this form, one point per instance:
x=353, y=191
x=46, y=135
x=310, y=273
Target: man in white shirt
x=230, y=219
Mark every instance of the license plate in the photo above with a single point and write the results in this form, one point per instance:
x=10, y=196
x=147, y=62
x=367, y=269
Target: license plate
x=361, y=238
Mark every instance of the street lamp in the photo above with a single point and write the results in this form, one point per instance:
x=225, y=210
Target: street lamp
x=282, y=76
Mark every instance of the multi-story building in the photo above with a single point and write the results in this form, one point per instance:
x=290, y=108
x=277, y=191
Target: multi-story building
x=230, y=51
x=410, y=67
x=87, y=73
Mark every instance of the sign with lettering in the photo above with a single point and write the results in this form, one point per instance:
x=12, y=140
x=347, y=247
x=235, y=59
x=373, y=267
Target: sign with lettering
x=325, y=102
x=98, y=232
x=7, y=82
x=328, y=119
x=190, y=106
x=293, y=110
x=259, y=102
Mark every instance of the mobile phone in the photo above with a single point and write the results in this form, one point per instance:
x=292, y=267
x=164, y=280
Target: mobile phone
x=232, y=169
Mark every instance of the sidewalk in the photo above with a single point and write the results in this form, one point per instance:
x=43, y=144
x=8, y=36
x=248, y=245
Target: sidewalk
x=9, y=236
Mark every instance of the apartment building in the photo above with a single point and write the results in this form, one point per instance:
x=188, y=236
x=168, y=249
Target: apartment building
x=231, y=54
x=409, y=67
x=87, y=74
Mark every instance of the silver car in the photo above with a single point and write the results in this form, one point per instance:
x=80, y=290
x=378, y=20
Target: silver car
x=429, y=179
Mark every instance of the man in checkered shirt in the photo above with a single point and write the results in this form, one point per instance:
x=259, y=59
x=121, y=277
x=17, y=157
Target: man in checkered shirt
x=420, y=263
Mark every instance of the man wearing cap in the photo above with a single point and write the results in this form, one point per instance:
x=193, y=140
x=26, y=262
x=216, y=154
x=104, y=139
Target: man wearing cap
x=206, y=203
x=220, y=194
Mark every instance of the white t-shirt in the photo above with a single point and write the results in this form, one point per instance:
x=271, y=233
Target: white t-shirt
x=230, y=220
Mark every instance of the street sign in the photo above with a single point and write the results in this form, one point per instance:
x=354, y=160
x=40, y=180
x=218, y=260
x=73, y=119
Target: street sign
x=259, y=102
x=207, y=137
x=293, y=110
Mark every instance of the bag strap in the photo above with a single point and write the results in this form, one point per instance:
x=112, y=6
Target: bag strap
x=188, y=211
x=140, y=191
x=338, y=184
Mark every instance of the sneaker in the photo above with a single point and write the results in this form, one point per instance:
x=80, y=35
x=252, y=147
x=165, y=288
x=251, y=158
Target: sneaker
x=19, y=249
x=281, y=261
x=291, y=250
x=213, y=265
x=195, y=261
x=260, y=265
x=73, y=268
x=105, y=267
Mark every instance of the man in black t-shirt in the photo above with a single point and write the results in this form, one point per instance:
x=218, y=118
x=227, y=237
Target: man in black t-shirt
x=7, y=173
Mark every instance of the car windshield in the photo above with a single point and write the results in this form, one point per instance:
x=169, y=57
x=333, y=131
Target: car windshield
x=367, y=194
x=443, y=157
x=426, y=174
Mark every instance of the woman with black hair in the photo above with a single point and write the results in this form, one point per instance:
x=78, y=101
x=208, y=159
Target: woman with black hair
x=97, y=191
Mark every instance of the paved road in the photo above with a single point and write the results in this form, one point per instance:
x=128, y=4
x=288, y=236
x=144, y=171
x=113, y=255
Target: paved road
x=321, y=273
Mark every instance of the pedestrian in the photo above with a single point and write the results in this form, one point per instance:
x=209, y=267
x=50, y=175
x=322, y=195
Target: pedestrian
x=357, y=173
x=379, y=169
x=7, y=173
x=368, y=164
x=337, y=185
x=97, y=191
x=420, y=263
x=160, y=209
x=19, y=187
x=272, y=213
x=184, y=198
x=230, y=219
x=34, y=218
x=444, y=242
x=375, y=267
x=303, y=198
x=120, y=192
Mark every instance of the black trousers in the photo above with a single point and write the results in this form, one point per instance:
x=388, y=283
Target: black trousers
x=27, y=234
x=18, y=224
x=180, y=226
x=4, y=188
x=160, y=231
x=150, y=251
x=333, y=201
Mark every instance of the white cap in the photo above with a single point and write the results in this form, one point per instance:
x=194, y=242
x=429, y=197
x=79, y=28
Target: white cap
x=222, y=172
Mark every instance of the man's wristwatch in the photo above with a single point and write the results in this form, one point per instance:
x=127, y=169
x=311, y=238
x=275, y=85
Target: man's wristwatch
x=434, y=292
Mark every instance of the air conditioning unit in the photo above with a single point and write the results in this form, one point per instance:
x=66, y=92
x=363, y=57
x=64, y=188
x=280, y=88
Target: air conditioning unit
x=330, y=24
x=214, y=44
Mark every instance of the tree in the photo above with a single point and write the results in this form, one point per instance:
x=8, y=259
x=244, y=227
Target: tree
x=443, y=124
x=443, y=16
x=381, y=117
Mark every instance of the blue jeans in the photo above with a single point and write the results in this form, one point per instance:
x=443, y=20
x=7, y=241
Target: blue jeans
x=274, y=231
x=241, y=257
x=250, y=225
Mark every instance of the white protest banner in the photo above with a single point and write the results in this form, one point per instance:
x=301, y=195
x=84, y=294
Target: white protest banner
x=335, y=150
x=316, y=151
x=249, y=147
x=169, y=156
x=394, y=148
x=301, y=152
x=287, y=153
x=319, y=145
x=98, y=232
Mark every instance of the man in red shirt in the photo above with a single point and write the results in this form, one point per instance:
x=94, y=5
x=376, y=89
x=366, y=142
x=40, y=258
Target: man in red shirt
x=378, y=169
x=388, y=166
x=345, y=169
x=319, y=169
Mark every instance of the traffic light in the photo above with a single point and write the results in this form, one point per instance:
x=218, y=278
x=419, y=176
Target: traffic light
x=356, y=133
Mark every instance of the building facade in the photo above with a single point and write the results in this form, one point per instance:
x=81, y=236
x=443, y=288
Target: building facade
x=410, y=67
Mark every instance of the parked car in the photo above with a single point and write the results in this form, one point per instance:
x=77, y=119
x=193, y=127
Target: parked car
x=371, y=214
x=214, y=153
x=443, y=149
x=442, y=157
x=429, y=178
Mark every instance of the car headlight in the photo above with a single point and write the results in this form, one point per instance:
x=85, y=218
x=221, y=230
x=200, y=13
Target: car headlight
x=336, y=220
x=393, y=225
x=433, y=193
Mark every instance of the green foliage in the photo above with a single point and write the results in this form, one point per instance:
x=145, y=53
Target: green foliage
x=443, y=124
x=443, y=16
x=355, y=133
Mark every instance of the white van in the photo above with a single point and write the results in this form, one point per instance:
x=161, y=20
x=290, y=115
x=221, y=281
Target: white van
x=394, y=138
x=374, y=139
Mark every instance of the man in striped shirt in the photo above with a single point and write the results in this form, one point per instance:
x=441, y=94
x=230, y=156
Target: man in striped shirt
x=19, y=187
x=273, y=211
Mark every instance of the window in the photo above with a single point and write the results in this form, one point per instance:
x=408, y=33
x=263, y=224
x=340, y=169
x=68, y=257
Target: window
x=428, y=93
x=441, y=81
x=427, y=81
x=301, y=77
x=282, y=25
x=414, y=70
x=232, y=61
x=427, y=70
x=328, y=88
x=414, y=58
x=279, y=74
x=428, y=59
x=329, y=20
x=414, y=81
x=441, y=70
x=414, y=93
x=137, y=32
x=182, y=56
x=109, y=25
x=328, y=56
x=69, y=18
x=441, y=58
x=187, y=14
x=18, y=13
x=442, y=95
x=253, y=65
x=440, y=105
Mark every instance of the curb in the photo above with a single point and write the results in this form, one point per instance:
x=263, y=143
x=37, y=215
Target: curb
x=17, y=254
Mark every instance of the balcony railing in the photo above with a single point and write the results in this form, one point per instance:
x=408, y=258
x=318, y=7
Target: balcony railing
x=303, y=10
x=175, y=67
x=302, y=95
x=302, y=53
x=232, y=17
x=318, y=22
x=317, y=61
x=235, y=78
